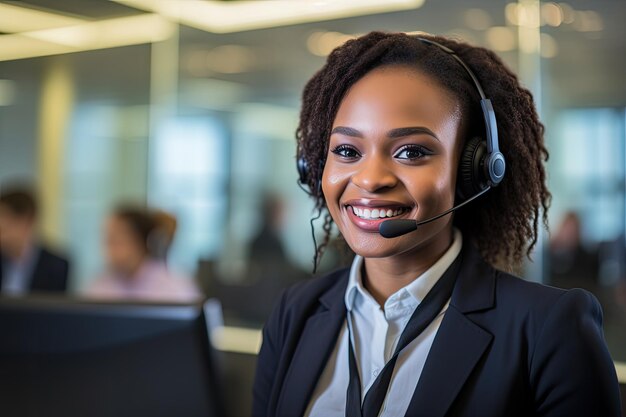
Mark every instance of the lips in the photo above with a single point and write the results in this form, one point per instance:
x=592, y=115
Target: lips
x=369, y=214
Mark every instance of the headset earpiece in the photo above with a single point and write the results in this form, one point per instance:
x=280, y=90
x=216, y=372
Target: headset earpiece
x=496, y=166
x=471, y=176
x=303, y=176
x=303, y=171
x=478, y=169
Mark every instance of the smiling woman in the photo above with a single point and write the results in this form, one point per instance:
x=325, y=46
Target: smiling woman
x=425, y=324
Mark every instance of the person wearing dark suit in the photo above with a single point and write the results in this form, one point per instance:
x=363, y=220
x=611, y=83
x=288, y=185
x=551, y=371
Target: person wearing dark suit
x=425, y=322
x=48, y=274
x=25, y=265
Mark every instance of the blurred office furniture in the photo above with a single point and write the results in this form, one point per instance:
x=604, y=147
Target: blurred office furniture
x=71, y=358
x=26, y=265
x=251, y=300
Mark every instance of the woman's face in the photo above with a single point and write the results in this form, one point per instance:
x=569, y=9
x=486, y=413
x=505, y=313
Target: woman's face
x=393, y=154
x=123, y=249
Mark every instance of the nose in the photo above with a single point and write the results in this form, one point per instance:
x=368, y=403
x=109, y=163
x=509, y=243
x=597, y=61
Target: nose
x=374, y=174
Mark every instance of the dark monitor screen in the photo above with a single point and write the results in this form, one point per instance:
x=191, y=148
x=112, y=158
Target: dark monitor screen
x=61, y=357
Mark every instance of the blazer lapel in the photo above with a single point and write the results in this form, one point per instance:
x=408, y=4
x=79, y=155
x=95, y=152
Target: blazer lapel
x=318, y=338
x=37, y=273
x=459, y=343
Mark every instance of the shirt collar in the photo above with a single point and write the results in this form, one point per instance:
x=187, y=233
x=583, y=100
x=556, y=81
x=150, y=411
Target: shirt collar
x=417, y=289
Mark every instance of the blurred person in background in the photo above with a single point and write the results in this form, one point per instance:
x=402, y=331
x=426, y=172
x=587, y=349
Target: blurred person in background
x=163, y=235
x=269, y=269
x=26, y=264
x=135, y=248
x=572, y=265
x=266, y=247
x=268, y=260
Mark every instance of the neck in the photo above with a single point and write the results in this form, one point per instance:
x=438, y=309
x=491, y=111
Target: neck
x=382, y=277
x=131, y=270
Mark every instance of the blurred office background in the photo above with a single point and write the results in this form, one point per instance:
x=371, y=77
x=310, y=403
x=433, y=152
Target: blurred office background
x=191, y=106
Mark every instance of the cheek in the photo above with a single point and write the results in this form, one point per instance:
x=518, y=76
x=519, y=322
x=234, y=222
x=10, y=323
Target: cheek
x=334, y=182
x=434, y=188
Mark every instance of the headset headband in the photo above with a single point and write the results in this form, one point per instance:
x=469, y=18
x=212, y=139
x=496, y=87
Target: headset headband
x=495, y=164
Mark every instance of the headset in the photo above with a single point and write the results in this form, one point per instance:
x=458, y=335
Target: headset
x=481, y=165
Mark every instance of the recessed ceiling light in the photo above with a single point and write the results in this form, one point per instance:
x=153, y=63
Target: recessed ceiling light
x=236, y=16
x=86, y=36
x=15, y=19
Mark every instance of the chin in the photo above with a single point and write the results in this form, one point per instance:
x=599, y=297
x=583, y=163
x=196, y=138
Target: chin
x=376, y=246
x=373, y=245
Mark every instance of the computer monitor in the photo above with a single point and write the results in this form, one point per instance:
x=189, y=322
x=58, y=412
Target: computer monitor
x=74, y=358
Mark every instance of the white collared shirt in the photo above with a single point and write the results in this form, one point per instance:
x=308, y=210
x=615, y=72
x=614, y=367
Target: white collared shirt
x=375, y=335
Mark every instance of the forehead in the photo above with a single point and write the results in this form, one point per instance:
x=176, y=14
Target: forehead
x=397, y=95
x=8, y=214
x=116, y=223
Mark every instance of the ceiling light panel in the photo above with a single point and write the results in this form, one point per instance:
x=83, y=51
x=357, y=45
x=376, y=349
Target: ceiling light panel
x=225, y=17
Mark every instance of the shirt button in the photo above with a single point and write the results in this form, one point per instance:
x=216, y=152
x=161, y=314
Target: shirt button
x=375, y=373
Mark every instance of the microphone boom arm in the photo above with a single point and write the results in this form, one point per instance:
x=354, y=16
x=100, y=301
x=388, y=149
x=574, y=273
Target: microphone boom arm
x=399, y=227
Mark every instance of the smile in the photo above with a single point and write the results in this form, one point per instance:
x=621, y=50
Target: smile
x=376, y=213
x=367, y=215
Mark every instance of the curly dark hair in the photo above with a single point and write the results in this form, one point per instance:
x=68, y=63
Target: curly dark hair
x=503, y=223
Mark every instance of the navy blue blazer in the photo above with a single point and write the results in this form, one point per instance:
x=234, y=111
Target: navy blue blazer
x=506, y=347
x=50, y=272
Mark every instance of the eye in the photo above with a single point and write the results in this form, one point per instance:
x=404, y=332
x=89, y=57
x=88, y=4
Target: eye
x=346, y=151
x=412, y=152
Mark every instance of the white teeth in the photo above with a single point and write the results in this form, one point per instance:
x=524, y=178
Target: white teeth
x=373, y=214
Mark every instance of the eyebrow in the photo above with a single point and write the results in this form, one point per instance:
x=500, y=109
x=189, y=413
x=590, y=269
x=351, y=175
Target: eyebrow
x=392, y=134
x=408, y=131
x=348, y=131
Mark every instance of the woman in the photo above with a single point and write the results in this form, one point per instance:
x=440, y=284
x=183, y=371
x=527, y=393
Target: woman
x=136, y=245
x=424, y=324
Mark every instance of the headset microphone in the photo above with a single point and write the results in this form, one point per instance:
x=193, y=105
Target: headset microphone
x=399, y=227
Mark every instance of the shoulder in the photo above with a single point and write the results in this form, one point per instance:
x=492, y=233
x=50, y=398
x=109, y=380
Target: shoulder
x=566, y=321
x=103, y=285
x=50, y=256
x=312, y=289
x=282, y=332
x=304, y=298
x=518, y=294
x=565, y=347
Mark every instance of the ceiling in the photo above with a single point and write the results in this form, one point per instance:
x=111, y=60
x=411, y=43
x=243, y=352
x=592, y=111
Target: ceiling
x=587, y=70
